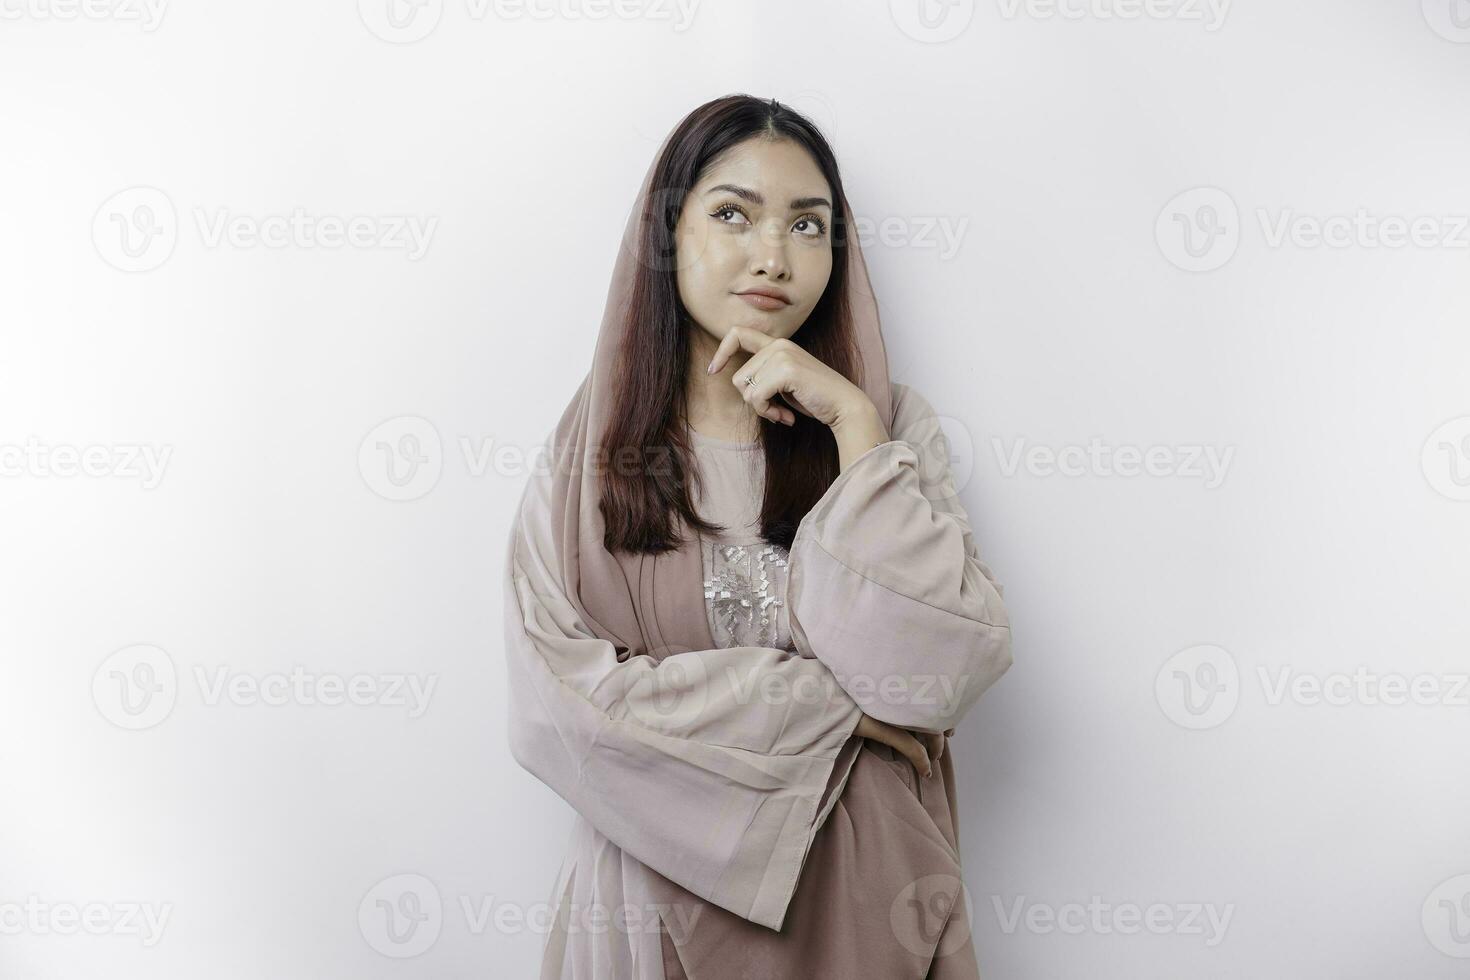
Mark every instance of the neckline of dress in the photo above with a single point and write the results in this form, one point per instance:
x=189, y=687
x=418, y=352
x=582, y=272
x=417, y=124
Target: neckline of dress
x=714, y=443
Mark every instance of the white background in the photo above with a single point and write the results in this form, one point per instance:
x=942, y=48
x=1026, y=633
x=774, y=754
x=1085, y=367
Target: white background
x=1054, y=144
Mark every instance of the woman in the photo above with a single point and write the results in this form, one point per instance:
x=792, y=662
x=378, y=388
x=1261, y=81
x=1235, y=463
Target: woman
x=744, y=607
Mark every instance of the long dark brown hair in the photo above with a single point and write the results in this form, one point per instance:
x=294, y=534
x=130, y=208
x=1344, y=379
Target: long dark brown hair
x=641, y=504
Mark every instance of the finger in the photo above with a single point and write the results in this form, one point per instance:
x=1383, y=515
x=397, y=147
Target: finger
x=934, y=742
x=737, y=338
x=727, y=346
x=917, y=754
x=791, y=400
x=767, y=385
x=780, y=402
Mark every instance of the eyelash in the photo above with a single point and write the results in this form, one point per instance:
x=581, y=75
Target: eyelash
x=822, y=225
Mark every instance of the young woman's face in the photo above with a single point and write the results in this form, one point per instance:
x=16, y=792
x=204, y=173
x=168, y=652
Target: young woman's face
x=759, y=218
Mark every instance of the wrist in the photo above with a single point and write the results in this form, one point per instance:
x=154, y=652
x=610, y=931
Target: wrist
x=857, y=431
x=859, y=416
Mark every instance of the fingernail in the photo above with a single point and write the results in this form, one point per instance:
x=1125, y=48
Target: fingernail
x=710, y=369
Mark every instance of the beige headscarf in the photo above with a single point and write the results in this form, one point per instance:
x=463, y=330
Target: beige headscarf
x=654, y=604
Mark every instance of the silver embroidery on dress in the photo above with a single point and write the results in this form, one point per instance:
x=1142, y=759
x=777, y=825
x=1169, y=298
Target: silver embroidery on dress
x=745, y=592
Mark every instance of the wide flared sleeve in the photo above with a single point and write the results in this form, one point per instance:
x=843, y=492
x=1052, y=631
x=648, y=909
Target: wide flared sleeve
x=708, y=766
x=886, y=585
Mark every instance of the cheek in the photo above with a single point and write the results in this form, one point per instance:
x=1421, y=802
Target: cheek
x=692, y=289
x=690, y=244
x=708, y=264
x=814, y=267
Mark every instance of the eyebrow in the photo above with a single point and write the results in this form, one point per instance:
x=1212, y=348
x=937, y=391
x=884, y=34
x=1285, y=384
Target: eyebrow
x=754, y=197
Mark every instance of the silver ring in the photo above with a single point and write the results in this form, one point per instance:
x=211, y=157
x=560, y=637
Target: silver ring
x=750, y=381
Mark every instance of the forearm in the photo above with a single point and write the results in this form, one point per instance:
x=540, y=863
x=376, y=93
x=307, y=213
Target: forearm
x=886, y=582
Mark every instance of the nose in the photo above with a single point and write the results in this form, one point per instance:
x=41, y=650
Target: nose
x=768, y=256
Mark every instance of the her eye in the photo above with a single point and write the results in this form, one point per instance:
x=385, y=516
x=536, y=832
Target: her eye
x=812, y=219
x=724, y=209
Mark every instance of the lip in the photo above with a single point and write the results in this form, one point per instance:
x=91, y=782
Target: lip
x=765, y=299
